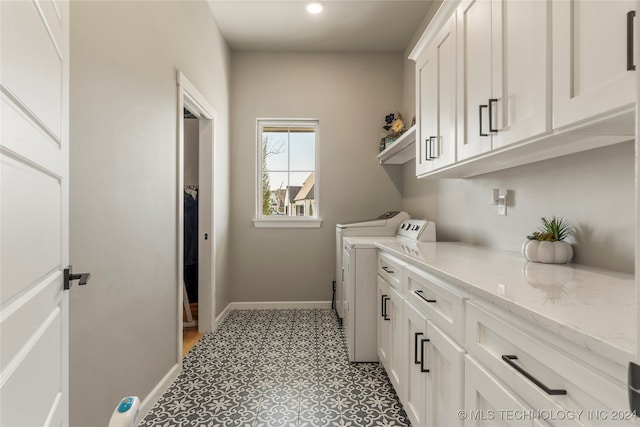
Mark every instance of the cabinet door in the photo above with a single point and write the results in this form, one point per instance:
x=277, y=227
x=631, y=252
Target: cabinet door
x=415, y=330
x=384, y=324
x=445, y=379
x=487, y=402
x=590, y=60
x=436, y=99
x=474, y=41
x=398, y=363
x=427, y=106
x=348, y=321
x=521, y=71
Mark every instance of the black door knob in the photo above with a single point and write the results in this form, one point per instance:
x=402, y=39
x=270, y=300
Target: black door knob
x=69, y=276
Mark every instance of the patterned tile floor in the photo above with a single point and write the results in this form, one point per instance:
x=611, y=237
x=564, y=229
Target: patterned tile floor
x=277, y=368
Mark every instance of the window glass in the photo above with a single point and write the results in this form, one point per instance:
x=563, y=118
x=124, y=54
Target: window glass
x=287, y=174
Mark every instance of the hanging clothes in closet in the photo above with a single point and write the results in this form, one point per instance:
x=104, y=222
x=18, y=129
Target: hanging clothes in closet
x=191, y=241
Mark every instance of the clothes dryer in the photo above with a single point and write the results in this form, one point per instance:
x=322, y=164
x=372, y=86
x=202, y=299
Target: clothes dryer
x=360, y=265
x=384, y=225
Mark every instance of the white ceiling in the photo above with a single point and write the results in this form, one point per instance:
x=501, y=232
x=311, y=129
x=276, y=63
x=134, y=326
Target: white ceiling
x=343, y=26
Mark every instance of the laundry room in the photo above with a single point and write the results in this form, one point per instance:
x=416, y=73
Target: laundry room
x=408, y=213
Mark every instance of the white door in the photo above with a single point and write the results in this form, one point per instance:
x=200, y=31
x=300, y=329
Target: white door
x=34, y=212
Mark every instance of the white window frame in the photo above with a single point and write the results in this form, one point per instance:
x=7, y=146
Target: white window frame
x=275, y=221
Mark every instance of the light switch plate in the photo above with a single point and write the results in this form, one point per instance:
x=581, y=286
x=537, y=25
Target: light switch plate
x=502, y=210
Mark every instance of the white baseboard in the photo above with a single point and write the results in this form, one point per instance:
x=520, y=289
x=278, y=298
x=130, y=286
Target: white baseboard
x=277, y=304
x=267, y=305
x=222, y=316
x=158, y=391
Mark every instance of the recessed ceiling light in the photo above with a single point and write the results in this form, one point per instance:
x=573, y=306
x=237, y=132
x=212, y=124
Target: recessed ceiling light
x=315, y=7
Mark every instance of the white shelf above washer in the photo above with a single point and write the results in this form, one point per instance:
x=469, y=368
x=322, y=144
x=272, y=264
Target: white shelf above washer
x=401, y=151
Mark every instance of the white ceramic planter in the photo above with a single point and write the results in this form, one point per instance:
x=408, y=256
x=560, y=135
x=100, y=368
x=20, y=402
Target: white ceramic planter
x=547, y=252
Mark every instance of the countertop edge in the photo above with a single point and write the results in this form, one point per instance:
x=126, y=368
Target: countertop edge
x=578, y=337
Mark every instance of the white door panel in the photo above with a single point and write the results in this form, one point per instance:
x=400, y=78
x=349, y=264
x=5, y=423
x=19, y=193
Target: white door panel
x=34, y=212
x=31, y=239
x=24, y=29
x=26, y=140
x=24, y=316
x=38, y=365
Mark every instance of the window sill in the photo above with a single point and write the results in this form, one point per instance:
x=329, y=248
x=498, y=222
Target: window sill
x=287, y=222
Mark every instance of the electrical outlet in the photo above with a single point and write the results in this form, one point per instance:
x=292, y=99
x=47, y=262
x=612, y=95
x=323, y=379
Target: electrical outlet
x=500, y=200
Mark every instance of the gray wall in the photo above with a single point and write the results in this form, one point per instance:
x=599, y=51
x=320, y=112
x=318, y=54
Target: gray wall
x=594, y=190
x=123, y=213
x=350, y=94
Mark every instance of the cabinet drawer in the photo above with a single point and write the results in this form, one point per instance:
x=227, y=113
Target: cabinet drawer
x=440, y=302
x=390, y=269
x=547, y=377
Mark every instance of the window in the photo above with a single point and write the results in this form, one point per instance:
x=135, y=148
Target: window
x=287, y=188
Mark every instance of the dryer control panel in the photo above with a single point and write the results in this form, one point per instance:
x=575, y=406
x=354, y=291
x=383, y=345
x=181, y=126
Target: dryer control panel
x=419, y=230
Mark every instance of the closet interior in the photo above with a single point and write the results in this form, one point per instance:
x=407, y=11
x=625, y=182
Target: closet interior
x=190, y=195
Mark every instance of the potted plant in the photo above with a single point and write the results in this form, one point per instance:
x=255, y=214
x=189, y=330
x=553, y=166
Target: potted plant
x=547, y=244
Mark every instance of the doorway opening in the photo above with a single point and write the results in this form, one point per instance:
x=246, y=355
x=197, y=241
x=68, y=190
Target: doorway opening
x=196, y=235
x=190, y=334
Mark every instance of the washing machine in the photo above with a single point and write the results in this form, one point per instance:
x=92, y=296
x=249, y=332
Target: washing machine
x=384, y=225
x=360, y=265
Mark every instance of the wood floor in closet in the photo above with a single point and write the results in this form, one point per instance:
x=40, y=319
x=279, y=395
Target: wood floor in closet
x=190, y=336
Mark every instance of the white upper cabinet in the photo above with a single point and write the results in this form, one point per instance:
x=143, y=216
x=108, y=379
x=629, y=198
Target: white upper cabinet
x=522, y=88
x=474, y=77
x=534, y=80
x=504, y=75
x=592, y=68
x=436, y=101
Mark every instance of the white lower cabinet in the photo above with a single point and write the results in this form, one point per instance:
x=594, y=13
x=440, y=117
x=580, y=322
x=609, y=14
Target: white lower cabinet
x=390, y=336
x=396, y=367
x=557, y=381
x=457, y=360
x=445, y=379
x=489, y=403
x=435, y=372
x=414, y=403
x=384, y=324
x=390, y=321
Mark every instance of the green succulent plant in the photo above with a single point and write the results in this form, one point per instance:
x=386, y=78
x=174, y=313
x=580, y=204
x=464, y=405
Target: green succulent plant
x=552, y=230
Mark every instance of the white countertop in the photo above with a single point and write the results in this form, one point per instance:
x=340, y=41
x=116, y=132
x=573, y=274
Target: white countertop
x=592, y=307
